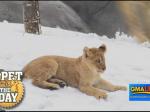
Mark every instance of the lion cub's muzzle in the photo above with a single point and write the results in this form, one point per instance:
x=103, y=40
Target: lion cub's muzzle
x=102, y=69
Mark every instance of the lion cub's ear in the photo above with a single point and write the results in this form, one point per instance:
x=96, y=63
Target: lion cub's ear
x=103, y=48
x=86, y=52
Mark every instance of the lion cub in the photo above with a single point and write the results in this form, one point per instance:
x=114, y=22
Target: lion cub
x=53, y=72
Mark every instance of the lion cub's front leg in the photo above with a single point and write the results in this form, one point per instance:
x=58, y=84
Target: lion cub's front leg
x=103, y=84
x=92, y=91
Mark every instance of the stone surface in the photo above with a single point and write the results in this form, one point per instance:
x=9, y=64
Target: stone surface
x=53, y=14
x=103, y=17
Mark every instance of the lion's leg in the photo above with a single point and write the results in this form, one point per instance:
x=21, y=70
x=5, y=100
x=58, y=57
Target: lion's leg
x=45, y=72
x=103, y=84
x=45, y=84
x=57, y=81
x=92, y=91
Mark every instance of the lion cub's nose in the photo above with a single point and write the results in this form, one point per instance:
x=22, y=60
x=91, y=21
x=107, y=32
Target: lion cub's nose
x=104, y=68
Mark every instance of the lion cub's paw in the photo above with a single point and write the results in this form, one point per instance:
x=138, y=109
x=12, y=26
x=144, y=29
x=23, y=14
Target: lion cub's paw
x=102, y=95
x=54, y=87
x=62, y=84
x=120, y=88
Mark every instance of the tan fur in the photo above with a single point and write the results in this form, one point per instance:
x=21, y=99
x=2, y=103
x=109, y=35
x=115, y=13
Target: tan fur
x=137, y=17
x=82, y=73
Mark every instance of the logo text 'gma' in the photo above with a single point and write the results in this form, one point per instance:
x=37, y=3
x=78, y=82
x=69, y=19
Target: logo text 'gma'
x=139, y=92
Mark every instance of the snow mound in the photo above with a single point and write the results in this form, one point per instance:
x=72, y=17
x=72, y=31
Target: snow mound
x=127, y=62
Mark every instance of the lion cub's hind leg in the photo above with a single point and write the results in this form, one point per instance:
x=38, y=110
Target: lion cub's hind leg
x=61, y=83
x=46, y=85
x=46, y=71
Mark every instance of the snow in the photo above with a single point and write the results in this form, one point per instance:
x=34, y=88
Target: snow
x=127, y=62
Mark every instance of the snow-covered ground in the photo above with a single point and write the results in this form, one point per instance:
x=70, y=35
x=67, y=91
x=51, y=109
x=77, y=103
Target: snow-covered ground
x=127, y=62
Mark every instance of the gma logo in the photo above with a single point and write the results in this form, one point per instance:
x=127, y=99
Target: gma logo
x=140, y=90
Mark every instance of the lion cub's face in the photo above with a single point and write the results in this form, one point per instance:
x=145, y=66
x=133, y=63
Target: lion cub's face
x=95, y=56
